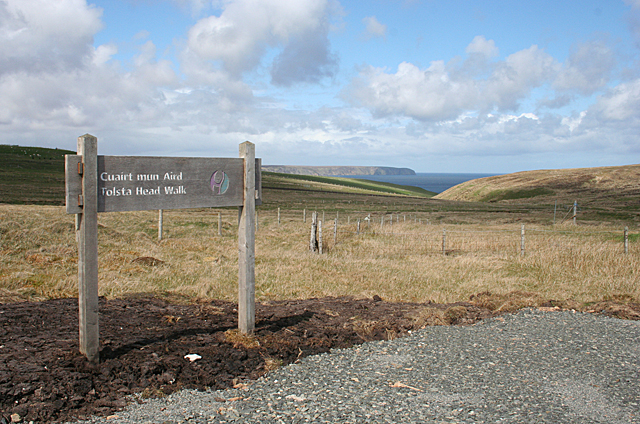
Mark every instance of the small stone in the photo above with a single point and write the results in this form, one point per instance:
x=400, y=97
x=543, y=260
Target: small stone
x=16, y=418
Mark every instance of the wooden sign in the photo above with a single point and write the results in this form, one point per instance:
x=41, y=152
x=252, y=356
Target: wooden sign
x=128, y=183
x=135, y=183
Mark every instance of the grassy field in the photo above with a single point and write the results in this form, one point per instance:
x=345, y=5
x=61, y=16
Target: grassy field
x=401, y=260
x=32, y=175
x=352, y=185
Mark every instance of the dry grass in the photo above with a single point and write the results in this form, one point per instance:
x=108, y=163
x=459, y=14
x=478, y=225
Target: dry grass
x=594, y=187
x=38, y=259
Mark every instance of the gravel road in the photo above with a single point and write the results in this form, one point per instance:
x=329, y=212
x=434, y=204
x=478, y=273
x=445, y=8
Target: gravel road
x=530, y=367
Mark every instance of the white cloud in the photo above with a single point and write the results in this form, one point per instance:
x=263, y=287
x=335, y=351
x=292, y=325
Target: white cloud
x=374, y=28
x=52, y=77
x=587, y=69
x=515, y=77
x=305, y=59
x=444, y=92
x=481, y=45
x=41, y=35
x=245, y=30
x=428, y=94
x=621, y=103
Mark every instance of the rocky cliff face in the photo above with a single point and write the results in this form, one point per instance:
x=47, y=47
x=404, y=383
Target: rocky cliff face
x=327, y=171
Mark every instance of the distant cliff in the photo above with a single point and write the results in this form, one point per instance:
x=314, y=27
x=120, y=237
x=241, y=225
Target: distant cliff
x=327, y=171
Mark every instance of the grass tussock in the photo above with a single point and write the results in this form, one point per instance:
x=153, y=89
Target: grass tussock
x=400, y=262
x=241, y=340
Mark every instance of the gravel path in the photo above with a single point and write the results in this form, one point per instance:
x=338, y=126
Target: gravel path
x=530, y=367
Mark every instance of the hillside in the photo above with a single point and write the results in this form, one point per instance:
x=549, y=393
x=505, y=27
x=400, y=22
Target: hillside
x=35, y=175
x=279, y=181
x=617, y=186
x=337, y=170
x=32, y=175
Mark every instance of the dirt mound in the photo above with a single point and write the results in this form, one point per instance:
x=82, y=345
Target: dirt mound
x=145, y=340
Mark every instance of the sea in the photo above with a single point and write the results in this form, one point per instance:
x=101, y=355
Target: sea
x=436, y=182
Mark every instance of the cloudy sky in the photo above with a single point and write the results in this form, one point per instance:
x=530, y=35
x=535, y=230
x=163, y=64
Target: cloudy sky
x=435, y=85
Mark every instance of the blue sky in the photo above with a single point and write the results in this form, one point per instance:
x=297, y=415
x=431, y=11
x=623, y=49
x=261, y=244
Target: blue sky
x=437, y=86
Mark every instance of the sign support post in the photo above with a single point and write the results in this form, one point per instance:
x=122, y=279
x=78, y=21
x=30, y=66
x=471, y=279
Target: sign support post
x=246, y=243
x=87, y=237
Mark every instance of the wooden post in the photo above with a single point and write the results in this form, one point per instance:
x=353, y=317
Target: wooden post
x=522, y=240
x=87, y=237
x=313, y=241
x=626, y=240
x=159, y=224
x=575, y=211
x=335, y=231
x=219, y=223
x=444, y=241
x=304, y=216
x=278, y=216
x=358, y=231
x=257, y=222
x=246, y=243
x=320, y=237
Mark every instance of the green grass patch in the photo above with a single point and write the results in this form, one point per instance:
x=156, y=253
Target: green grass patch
x=497, y=195
x=32, y=175
x=278, y=180
x=616, y=216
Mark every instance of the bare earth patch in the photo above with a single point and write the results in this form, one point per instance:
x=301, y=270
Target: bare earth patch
x=153, y=347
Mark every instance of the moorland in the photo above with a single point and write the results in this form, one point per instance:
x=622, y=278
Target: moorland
x=394, y=259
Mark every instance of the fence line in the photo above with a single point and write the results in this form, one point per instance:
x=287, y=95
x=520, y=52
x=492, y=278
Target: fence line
x=444, y=238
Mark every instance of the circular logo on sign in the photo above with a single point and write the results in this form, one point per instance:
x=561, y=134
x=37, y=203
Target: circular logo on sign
x=219, y=182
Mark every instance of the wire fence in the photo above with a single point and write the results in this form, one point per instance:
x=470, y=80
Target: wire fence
x=419, y=234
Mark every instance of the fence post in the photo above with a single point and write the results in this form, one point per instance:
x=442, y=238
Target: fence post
x=320, y=237
x=219, y=223
x=444, y=241
x=575, y=211
x=159, y=224
x=313, y=242
x=304, y=216
x=278, y=216
x=626, y=240
x=358, y=231
x=382, y=221
x=335, y=231
x=522, y=240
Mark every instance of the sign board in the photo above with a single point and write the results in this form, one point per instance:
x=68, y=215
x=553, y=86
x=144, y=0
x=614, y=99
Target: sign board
x=128, y=183
x=135, y=183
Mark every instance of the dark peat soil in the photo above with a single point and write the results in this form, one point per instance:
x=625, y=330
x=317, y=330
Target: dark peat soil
x=144, y=340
